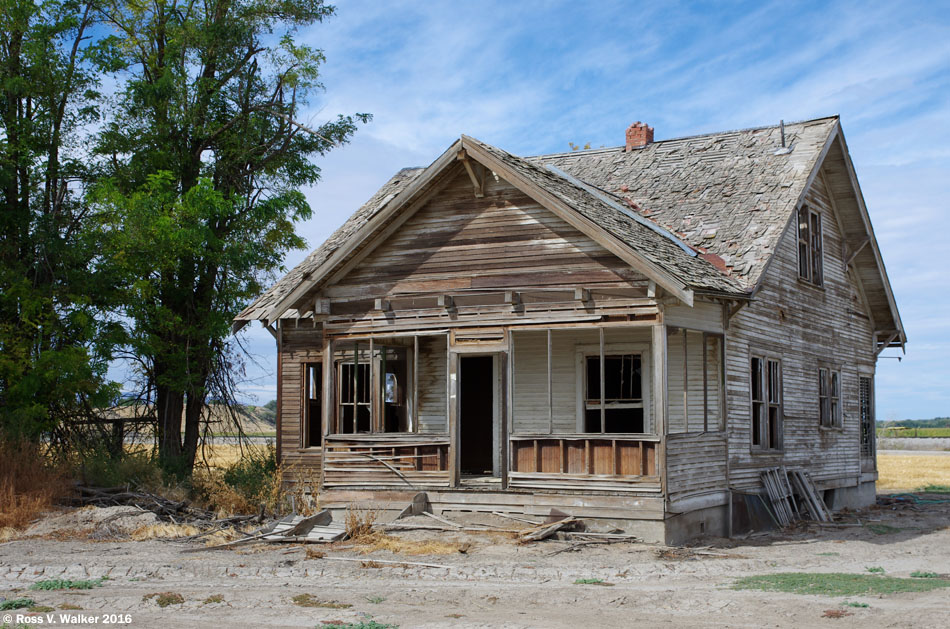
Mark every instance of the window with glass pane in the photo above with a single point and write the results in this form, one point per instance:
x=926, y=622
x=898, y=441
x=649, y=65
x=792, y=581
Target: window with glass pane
x=620, y=409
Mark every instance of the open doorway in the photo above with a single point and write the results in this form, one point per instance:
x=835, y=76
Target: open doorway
x=477, y=416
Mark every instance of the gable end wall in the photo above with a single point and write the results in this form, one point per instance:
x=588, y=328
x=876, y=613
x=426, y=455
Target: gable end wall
x=804, y=326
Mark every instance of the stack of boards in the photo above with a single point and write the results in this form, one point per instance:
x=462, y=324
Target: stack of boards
x=792, y=495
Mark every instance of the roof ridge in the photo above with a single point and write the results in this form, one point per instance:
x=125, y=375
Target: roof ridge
x=610, y=149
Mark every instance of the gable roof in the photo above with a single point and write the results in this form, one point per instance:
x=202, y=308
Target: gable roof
x=729, y=193
x=726, y=197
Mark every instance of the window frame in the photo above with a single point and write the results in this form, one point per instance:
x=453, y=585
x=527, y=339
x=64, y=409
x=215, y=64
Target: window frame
x=371, y=355
x=830, y=409
x=583, y=352
x=810, y=246
x=771, y=390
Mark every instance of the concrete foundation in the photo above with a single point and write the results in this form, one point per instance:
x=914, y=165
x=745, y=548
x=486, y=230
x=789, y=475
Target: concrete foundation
x=711, y=521
x=855, y=497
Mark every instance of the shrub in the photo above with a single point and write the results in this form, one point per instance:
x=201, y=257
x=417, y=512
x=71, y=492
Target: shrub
x=243, y=486
x=29, y=482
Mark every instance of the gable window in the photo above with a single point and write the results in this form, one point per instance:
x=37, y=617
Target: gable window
x=829, y=398
x=614, y=393
x=809, y=246
x=766, y=385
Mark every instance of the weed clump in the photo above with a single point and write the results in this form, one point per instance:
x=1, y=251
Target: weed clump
x=309, y=600
x=16, y=603
x=164, y=599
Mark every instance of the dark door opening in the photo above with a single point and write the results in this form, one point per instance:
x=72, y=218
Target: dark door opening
x=476, y=414
x=314, y=405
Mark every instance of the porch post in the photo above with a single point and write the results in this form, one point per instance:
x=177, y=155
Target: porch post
x=452, y=404
x=658, y=354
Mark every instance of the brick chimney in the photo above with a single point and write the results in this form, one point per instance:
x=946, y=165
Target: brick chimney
x=638, y=135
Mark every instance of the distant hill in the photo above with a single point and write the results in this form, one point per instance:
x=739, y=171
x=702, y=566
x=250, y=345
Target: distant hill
x=255, y=420
x=936, y=422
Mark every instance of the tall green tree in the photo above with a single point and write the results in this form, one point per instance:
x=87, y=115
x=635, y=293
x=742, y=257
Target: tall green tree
x=206, y=156
x=55, y=338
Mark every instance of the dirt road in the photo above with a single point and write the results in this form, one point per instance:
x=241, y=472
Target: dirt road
x=497, y=583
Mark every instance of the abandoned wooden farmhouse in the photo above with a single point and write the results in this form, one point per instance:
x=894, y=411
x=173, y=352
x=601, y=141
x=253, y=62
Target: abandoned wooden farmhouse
x=632, y=333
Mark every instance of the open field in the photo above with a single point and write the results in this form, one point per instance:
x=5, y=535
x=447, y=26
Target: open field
x=903, y=472
x=913, y=433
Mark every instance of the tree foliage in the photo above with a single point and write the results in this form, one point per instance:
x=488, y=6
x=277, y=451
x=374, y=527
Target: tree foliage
x=206, y=157
x=55, y=335
x=138, y=221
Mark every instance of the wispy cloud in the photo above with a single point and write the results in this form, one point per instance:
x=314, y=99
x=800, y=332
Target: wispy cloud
x=533, y=76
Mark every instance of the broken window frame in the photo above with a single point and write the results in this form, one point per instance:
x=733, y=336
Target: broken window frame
x=810, y=257
x=766, y=424
x=372, y=354
x=868, y=437
x=604, y=350
x=829, y=398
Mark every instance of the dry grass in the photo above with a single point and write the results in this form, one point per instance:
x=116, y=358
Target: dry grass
x=29, y=483
x=400, y=546
x=907, y=472
x=164, y=531
x=223, y=536
x=359, y=522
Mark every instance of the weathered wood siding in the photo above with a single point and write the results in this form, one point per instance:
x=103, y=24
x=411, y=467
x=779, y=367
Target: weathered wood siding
x=530, y=410
x=432, y=381
x=695, y=463
x=693, y=389
x=299, y=346
x=458, y=242
x=805, y=326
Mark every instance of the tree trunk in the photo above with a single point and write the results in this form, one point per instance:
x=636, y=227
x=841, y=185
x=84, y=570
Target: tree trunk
x=168, y=408
x=193, y=408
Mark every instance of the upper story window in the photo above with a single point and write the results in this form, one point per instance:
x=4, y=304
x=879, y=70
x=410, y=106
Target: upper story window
x=809, y=246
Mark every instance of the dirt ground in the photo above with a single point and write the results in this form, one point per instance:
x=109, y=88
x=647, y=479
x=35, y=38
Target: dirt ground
x=495, y=583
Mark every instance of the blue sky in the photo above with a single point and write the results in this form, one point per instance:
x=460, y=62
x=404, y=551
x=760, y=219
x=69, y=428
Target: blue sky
x=531, y=77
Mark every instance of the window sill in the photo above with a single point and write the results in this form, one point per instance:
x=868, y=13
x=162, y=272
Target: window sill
x=767, y=451
x=811, y=284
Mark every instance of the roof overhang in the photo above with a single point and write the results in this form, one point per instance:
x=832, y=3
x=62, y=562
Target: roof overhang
x=400, y=208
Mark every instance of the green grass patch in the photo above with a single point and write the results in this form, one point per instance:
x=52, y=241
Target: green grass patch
x=67, y=584
x=372, y=624
x=591, y=582
x=855, y=604
x=829, y=554
x=375, y=600
x=882, y=529
x=918, y=574
x=875, y=569
x=16, y=603
x=836, y=583
x=935, y=489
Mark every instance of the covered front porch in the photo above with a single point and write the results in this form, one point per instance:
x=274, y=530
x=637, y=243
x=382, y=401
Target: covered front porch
x=564, y=408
